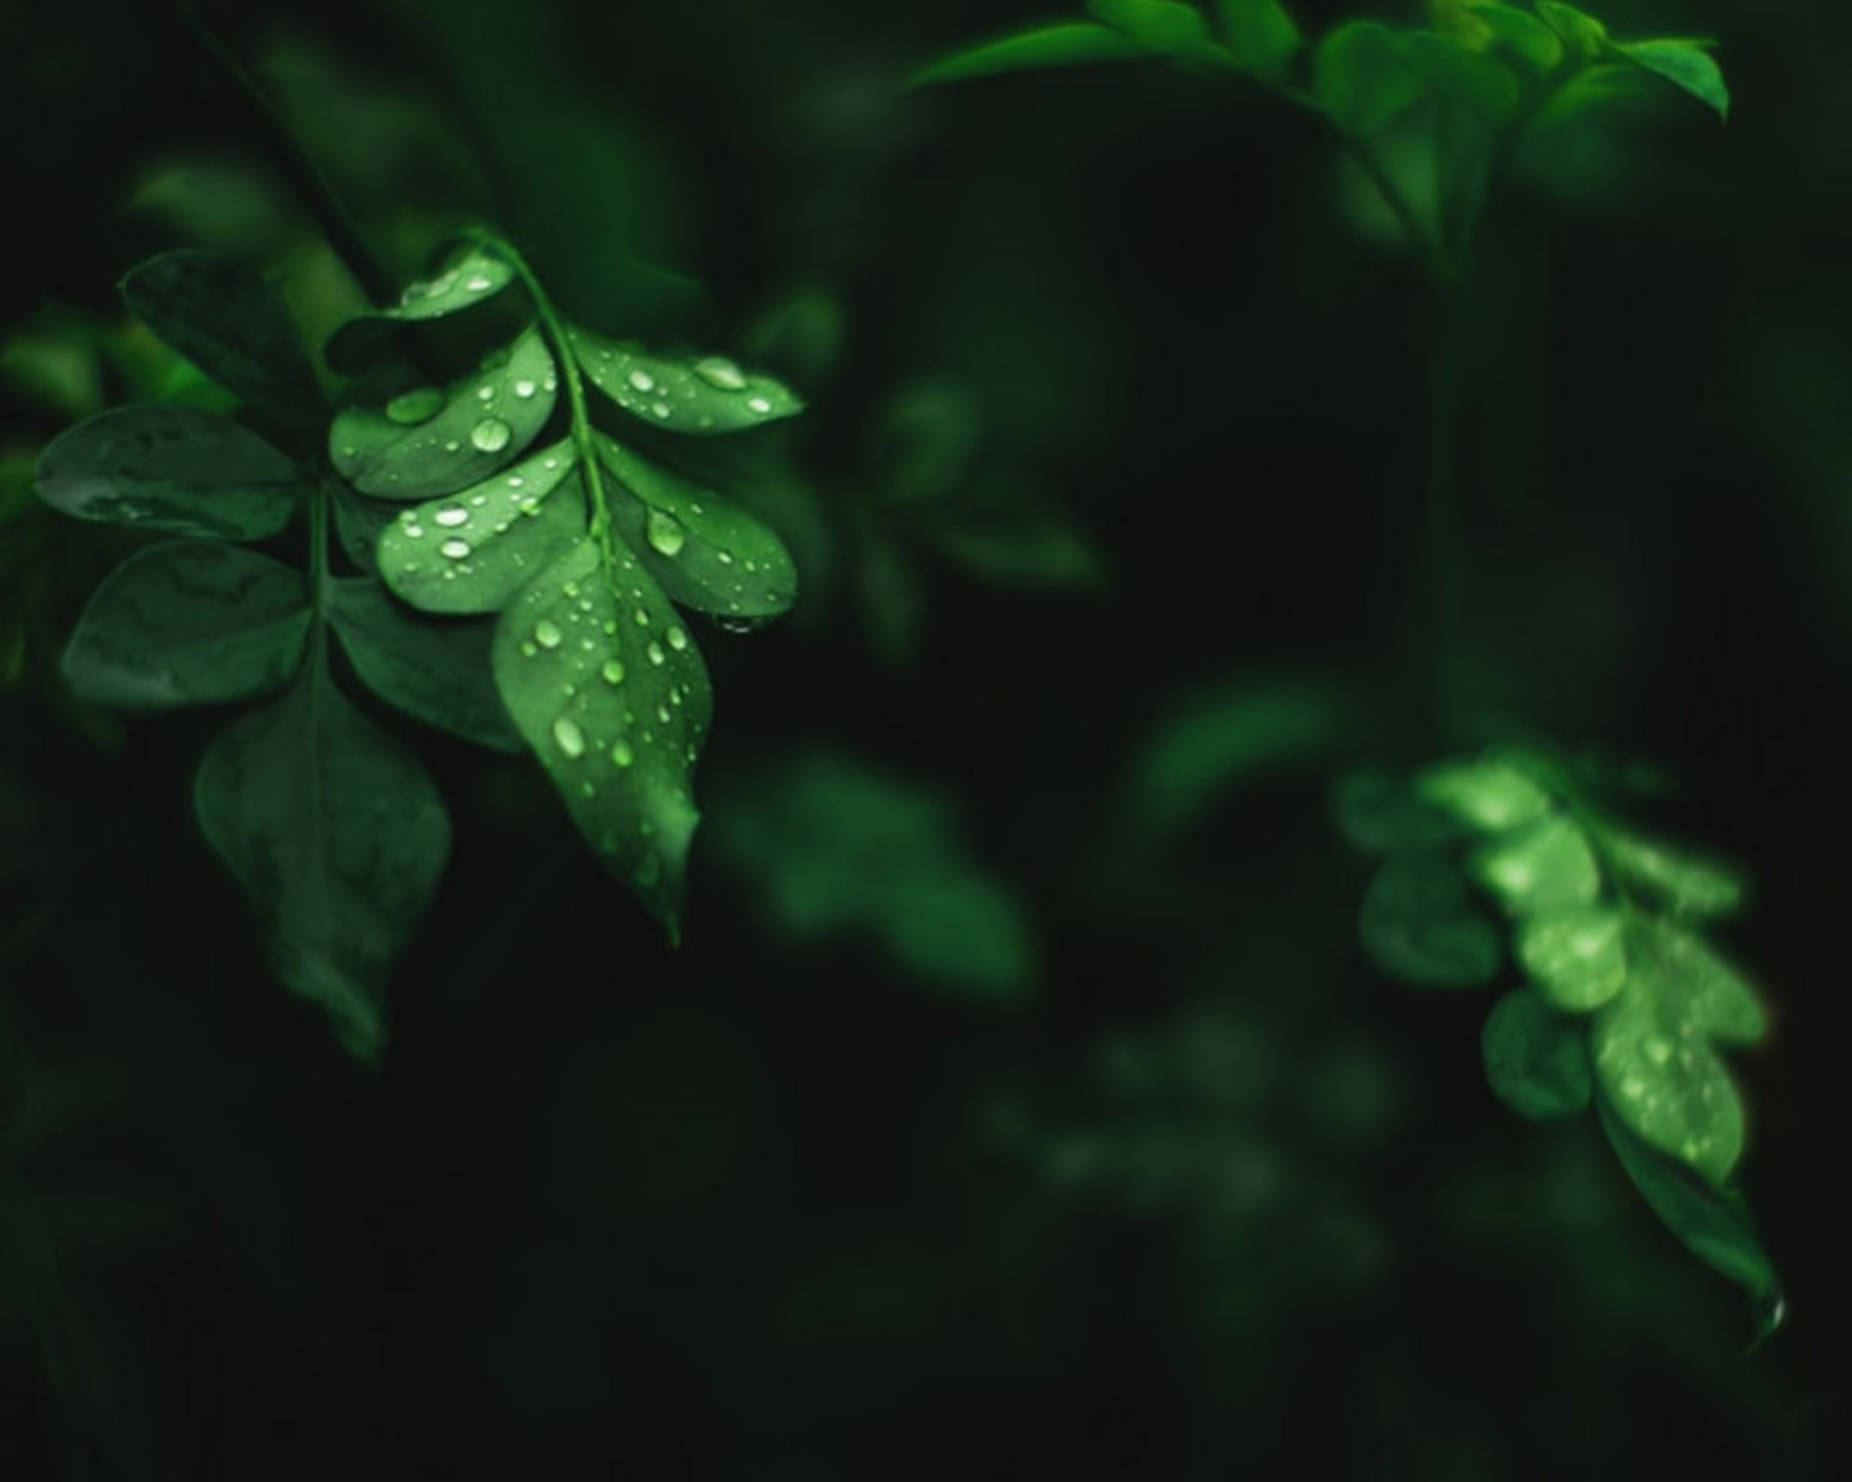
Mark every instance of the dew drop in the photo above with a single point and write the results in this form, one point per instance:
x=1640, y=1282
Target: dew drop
x=665, y=532
x=569, y=737
x=718, y=371
x=524, y=389
x=621, y=755
x=656, y=655
x=414, y=531
x=451, y=515
x=485, y=393
x=678, y=640
x=491, y=434
x=418, y=405
x=455, y=549
x=660, y=409
x=528, y=650
x=758, y=404
x=546, y=634
x=642, y=380
x=613, y=672
x=724, y=557
x=453, y=446
x=476, y=283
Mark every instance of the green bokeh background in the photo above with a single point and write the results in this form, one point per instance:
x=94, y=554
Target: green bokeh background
x=800, y=1200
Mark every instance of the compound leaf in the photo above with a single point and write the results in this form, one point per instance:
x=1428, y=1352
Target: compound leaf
x=232, y=325
x=612, y=696
x=473, y=550
x=189, y=623
x=1419, y=923
x=423, y=441
x=1684, y=64
x=1361, y=77
x=1063, y=44
x=434, y=669
x=171, y=468
x=1576, y=957
x=1261, y=34
x=337, y=834
x=701, y=394
x=705, y=551
x=1535, y=1059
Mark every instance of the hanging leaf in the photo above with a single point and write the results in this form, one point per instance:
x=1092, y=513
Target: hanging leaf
x=1063, y=44
x=232, y=325
x=172, y=469
x=471, y=551
x=189, y=623
x=434, y=669
x=422, y=441
x=705, y=394
x=1535, y=1059
x=1489, y=794
x=1377, y=810
x=611, y=694
x=337, y=834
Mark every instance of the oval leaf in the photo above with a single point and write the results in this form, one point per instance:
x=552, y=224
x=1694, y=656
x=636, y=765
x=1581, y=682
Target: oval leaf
x=472, y=277
x=189, y=623
x=702, y=394
x=1419, y=924
x=473, y=550
x=434, y=669
x=611, y=694
x=171, y=468
x=1262, y=35
x=706, y=551
x=1361, y=78
x=1689, y=884
x=1535, y=1060
x=1686, y=66
x=423, y=441
x=1486, y=795
x=1576, y=957
x=1547, y=867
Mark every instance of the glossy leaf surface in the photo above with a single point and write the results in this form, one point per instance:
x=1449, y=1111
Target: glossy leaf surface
x=700, y=394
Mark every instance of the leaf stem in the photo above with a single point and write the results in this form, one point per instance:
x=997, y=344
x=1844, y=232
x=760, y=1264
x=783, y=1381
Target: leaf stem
x=311, y=182
x=321, y=509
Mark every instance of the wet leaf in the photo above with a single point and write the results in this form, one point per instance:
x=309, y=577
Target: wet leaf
x=1688, y=884
x=189, y=623
x=1576, y=957
x=173, y=469
x=698, y=394
x=1488, y=795
x=1546, y=867
x=470, y=278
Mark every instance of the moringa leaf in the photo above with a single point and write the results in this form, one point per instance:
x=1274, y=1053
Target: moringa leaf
x=1576, y=957
x=611, y=694
x=434, y=669
x=705, y=551
x=422, y=441
x=1361, y=77
x=339, y=837
x=1261, y=34
x=173, y=469
x=1535, y=1059
x=232, y=325
x=699, y=394
x=189, y=623
x=1060, y=44
x=1684, y=64
x=471, y=551
x=1419, y=923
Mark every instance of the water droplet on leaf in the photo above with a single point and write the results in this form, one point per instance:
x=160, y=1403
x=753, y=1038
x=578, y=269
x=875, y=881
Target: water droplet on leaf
x=546, y=634
x=665, y=532
x=491, y=434
x=569, y=737
x=418, y=405
x=718, y=371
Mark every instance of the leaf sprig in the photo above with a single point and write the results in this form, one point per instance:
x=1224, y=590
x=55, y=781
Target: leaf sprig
x=1626, y=1002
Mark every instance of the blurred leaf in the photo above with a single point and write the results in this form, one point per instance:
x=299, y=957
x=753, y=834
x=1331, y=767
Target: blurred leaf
x=834, y=846
x=1687, y=884
x=58, y=370
x=222, y=203
x=1478, y=83
x=1164, y=26
x=436, y=670
x=189, y=623
x=232, y=325
x=339, y=837
x=1581, y=33
x=422, y=441
x=1489, y=795
x=173, y=469
x=1685, y=65
x=1547, y=867
x=1261, y=34
x=925, y=442
x=1535, y=1060
x=1419, y=923
x=1361, y=77
x=1014, y=543
x=1377, y=810
x=1060, y=44
x=1520, y=32
x=1577, y=957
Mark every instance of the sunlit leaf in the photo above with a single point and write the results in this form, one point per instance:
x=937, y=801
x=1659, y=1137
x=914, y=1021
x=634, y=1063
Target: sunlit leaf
x=422, y=441
x=699, y=394
x=1061, y=44
x=189, y=623
x=471, y=551
x=339, y=838
x=172, y=469
x=1535, y=1059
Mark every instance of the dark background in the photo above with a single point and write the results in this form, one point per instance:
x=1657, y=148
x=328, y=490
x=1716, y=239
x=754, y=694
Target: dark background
x=1217, y=1197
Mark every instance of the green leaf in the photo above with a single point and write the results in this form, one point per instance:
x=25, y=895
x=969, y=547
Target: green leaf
x=1164, y=26
x=471, y=277
x=611, y=694
x=434, y=669
x=1361, y=77
x=1482, y=86
x=837, y=847
x=1062, y=44
x=1487, y=795
x=421, y=441
x=1594, y=87
x=1014, y=544
x=1653, y=1053
x=339, y=837
x=1261, y=34
x=473, y=550
x=1685, y=65
x=1713, y=1224
x=1535, y=1059
x=1582, y=35
x=702, y=394
x=1519, y=32
x=189, y=623
x=358, y=524
x=1547, y=867
x=1419, y=923
x=232, y=325
x=173, y=469
x=1378, y=810
x=1689, y=884
x=705, y=551
x=1576, y=957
